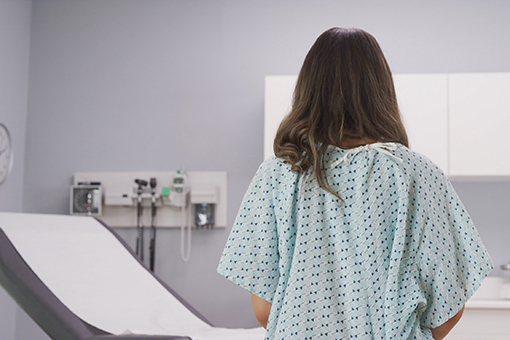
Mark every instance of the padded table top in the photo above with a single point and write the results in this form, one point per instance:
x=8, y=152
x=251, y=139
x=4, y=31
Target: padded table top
x=99, y=280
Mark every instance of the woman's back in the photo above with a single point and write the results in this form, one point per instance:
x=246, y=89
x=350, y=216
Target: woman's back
x=369, y=242
x=388, y=261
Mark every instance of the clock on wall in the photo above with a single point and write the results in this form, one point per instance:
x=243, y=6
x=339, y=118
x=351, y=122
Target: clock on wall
x=6, y=155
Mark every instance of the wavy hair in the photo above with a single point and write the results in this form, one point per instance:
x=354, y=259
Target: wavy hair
x=345, y=88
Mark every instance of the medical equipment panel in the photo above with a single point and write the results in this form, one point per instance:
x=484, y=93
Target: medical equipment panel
x=130, y=199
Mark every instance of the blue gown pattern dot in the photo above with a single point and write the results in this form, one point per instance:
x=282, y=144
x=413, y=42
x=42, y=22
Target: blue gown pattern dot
x=396, y=255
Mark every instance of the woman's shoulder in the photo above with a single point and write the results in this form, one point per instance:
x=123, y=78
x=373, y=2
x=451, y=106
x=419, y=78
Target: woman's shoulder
x=274, y=163
x=418, y=163
x=275, y=170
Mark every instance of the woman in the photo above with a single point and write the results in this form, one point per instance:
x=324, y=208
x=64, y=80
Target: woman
x=346, y=233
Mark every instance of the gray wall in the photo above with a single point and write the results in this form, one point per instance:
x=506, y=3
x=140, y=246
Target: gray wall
x=14, y=47
x=128, y=85
x=14, y=52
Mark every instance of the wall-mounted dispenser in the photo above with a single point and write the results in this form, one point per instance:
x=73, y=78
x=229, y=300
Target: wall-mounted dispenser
x=204, y=199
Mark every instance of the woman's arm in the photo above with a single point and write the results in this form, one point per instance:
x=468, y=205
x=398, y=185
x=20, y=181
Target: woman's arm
x=440, y=332
x=261, y=308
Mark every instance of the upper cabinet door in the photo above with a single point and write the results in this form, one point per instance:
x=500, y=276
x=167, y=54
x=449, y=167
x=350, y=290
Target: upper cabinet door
x=479, y=106
x=459, y=121
x=423, y=103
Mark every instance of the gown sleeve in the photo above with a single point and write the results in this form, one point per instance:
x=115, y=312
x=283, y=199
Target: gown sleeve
x=250, y=257
x=452, y=258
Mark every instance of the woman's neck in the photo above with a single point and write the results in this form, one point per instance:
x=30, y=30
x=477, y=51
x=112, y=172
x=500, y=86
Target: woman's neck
x=352, y=141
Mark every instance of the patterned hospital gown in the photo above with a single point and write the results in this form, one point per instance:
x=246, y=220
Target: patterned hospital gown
x=397, y=255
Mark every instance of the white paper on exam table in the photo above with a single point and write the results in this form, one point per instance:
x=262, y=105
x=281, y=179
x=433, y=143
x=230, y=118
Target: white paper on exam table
x=117, y=296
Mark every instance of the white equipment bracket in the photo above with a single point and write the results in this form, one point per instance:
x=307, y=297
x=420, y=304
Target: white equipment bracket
x=119, y=207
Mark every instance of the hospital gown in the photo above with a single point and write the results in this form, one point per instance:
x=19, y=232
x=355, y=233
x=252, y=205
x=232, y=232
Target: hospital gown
x=395, y=256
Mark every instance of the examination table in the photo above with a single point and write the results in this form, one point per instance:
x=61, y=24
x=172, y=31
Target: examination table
x=77, y=279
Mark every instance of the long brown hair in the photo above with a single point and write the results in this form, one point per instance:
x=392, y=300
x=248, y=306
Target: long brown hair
x=345, y=87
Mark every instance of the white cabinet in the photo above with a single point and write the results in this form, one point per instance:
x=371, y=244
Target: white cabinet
x=482, y=324
x=459, y=121
x=479, y=108
x=277, y=103
x=422, y=99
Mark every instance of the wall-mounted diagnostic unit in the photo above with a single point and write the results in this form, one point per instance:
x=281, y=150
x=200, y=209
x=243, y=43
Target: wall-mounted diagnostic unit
x=180, y=199
x=172, y=190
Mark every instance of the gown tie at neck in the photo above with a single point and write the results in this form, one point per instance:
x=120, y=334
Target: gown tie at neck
x=351, y=153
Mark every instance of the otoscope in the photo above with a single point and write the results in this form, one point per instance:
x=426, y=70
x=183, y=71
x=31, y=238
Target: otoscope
x=152, y=246
x=139, y=225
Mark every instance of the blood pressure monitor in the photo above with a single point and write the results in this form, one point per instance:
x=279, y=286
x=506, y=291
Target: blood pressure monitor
x=6, y=154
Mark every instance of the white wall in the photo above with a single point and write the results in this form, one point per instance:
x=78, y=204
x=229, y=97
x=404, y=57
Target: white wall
x=151, y=85
x=14, y=55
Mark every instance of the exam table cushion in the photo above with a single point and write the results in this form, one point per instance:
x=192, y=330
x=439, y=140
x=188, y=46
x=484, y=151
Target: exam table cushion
x=100, y=281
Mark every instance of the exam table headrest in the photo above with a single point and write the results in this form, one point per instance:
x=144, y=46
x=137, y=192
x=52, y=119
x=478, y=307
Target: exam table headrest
x=34, y=297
